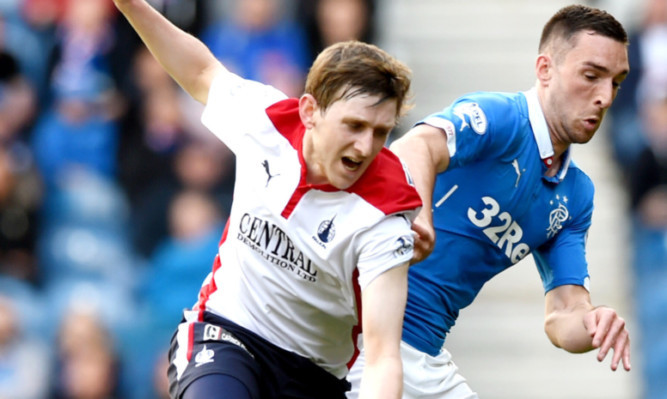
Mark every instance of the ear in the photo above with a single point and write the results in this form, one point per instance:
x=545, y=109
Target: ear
x=544, y=68
x=307, y=108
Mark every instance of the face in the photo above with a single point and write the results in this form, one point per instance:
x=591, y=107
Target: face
x=579, y=85
x=342, y=141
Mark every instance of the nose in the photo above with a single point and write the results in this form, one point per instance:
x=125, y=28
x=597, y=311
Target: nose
x=605, y=95
x=364, y=143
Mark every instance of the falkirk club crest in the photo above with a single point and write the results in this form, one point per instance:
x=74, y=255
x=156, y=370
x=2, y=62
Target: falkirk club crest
x=326, y=231
x=557, y=216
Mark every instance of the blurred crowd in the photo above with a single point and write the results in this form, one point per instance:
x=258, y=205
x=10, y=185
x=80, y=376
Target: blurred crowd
x=112, y=196
x=638, y=130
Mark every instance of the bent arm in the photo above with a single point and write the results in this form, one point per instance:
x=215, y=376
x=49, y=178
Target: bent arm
x=184, y=57
x=383, y=304
x=424, y=150
x=575, y=325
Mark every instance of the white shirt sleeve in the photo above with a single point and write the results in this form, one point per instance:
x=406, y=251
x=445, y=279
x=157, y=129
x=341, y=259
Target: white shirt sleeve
x=237, y=106
x=388, y=244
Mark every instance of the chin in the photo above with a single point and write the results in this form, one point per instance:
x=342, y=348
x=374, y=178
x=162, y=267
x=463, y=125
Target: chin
x=342, y=185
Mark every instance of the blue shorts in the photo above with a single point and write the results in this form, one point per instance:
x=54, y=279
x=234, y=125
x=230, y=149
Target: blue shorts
x=220, y=346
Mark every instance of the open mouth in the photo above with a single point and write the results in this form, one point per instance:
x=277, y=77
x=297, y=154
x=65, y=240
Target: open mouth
x=350, y=164
x=591, y=123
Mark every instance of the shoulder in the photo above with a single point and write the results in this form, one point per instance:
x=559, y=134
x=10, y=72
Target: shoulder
x=498, y=106
x=387, y=185
x=582, y=178
x=484, y=111
x=582, y=184
x=284, y=116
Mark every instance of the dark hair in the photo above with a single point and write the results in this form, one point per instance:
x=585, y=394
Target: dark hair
x=351, y=68
x=576, y=18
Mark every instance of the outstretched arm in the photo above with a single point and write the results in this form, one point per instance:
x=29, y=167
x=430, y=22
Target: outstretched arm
x=184, y=57
x=424, y=151
x=383, y=304
x=574, y=324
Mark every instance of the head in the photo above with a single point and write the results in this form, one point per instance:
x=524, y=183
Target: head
x=342, y=20
x=581, y=63
x=355, y=94
x=655, y=13
x=257, y=15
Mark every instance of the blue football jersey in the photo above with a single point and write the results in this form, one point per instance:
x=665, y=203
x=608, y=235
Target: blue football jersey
x=492, y=207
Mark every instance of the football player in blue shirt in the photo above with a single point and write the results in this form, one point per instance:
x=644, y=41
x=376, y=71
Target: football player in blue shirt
x=497, y=181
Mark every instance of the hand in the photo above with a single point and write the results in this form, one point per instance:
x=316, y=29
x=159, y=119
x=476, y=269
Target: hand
x=608, y=331
x=424, y=240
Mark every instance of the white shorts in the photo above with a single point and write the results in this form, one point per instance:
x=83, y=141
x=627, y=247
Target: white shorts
x=424, y=376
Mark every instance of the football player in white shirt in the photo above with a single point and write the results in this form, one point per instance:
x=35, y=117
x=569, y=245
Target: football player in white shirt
x=320, y=226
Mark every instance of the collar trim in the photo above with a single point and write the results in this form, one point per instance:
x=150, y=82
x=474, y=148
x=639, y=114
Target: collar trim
x=541, y=133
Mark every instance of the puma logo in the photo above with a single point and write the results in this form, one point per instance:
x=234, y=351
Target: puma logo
x=268, y=172
x=515, y=163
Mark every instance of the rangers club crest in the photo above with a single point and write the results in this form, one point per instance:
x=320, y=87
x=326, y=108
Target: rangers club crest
x=557, y=216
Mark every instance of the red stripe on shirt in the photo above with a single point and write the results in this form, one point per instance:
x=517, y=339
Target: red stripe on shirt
x=191, y=340
x=356, y=330
x=208, y=289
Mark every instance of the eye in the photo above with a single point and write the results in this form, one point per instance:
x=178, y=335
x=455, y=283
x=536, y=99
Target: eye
x=354, y=126
x=590, y=76
x=381, y=132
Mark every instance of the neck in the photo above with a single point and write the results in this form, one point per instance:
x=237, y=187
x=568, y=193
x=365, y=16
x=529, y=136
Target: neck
x=559, y=146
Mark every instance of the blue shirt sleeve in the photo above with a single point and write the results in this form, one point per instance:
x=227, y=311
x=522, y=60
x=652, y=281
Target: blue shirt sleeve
x=562, y=260
x=478, y=125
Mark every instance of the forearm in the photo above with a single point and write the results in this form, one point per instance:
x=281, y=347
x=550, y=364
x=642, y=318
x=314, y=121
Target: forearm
x=383, y=302
x=183, y=56
x=416, y=155
x=566, y=329
x=383, y=379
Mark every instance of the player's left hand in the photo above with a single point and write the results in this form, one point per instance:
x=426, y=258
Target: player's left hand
x=608, y=331
x=424, y=240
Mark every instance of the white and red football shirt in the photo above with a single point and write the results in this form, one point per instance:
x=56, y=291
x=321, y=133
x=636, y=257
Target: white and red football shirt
x=294, y=256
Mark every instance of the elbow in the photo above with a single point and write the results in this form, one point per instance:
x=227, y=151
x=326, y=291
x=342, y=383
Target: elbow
x=570, y=340
x=550, y=330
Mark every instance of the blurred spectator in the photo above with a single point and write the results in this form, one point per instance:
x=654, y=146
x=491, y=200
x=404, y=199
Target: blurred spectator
x=647, y=55
x=332, y=21
x=24, y=362
x=648, y=193
x=152, y=130
x=20, y=184
x=260, y=42
x=182, y=260
x=17, y=99
x=160, y=380
x=20, y=199
x=77, y=133
x=649, y=176
x=27, y=32
x=200, y=165
x=88, y=366
x=78, y=130
x=84, y=48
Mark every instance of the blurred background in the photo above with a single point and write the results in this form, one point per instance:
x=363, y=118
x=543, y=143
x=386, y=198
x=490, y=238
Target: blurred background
x=113, y=196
